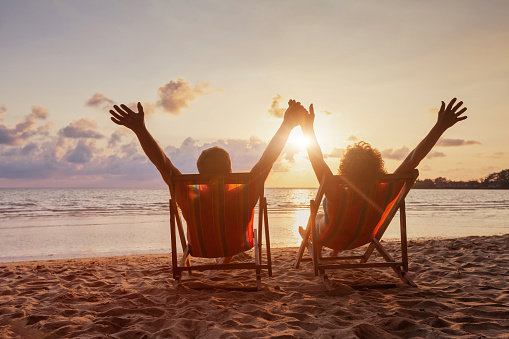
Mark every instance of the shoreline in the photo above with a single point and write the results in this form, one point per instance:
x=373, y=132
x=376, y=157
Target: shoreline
x=462, y=291
x=106, y=257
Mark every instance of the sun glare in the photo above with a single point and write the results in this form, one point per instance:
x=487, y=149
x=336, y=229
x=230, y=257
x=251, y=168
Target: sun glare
x=298, y=139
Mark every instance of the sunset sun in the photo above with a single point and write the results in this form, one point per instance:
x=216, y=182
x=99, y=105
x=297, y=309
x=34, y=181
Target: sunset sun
x=298, y=139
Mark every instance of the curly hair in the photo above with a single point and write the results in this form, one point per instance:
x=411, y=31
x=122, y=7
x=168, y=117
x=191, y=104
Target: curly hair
x=361, y=162
x=214, y=160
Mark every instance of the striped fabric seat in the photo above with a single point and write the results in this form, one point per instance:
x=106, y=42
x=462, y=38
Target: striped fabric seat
x=219, y=213
x=219, y=217
x=359, y=214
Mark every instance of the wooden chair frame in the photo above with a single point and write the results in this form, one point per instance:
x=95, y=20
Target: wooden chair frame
x=320, y=264
x=184, y=264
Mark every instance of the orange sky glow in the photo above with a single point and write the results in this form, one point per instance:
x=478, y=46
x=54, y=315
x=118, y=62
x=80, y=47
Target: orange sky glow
x=221, y=73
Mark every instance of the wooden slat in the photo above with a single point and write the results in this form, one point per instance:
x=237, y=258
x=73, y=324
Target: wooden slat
x=349, y=257
x=360, y=265
x=239, y=266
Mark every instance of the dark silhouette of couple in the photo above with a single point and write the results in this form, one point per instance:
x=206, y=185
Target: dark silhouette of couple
x=360, y=162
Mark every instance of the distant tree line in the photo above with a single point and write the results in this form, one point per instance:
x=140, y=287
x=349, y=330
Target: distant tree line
x=498, y=180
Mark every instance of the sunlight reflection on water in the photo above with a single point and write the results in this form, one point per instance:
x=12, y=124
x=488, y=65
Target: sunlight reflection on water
x=67, y=223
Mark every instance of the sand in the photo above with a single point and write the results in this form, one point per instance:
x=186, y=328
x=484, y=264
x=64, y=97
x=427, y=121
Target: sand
x=462, y=292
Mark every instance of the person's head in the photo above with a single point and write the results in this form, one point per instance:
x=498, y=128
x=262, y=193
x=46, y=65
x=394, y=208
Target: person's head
x=361, y=162
x=214, y=160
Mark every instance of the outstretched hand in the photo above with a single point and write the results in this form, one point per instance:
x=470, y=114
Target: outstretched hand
x=308, y=121
x=125, y=116
x=295, y=113
x=448, y=116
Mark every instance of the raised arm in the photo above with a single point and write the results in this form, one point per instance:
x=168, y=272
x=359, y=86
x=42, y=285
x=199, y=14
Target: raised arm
x=123, y=115
x=447, y=117
x=315, y=152
x=292, y=118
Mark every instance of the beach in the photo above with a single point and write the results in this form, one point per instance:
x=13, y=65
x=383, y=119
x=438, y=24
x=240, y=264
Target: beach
x=463, y=291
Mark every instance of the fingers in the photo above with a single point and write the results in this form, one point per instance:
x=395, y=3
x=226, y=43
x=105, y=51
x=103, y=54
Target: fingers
x=462, y=118
x=442, y=107
x=461, y=112
x=451, y=103
x=458, y=105
x=116, y=115
x=292, y=102
x=127, y=109
x=118, y=122
x=119, y=110
x=140, y=108
x=311, y=110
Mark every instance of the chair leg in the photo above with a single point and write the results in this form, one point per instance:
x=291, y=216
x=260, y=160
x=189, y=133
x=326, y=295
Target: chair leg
x=303, y=245
x=401, y=274
x=267, y=236
x=185, y=260
x=173, y=240
x=368, y=252
x=404, y=241
x=326, y=281
x=258, y=262
x=314, y=239
x=177, y=279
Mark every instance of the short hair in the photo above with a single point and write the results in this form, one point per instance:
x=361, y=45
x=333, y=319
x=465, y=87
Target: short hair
x=361, y=163
x=214, y=160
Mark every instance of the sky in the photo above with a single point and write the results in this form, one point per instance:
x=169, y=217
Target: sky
x=221, y=73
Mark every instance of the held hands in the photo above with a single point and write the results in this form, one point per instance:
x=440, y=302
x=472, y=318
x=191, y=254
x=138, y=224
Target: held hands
x=309, y=119
x=449, y=116
x=125, y=116
x=295, y=114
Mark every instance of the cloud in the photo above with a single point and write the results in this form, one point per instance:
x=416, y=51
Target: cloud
x=23, y=151
x=275, y=110
x=397, y=154
x=435, y=155
x=496, y=155
x=456, y=142
x=99, y=100
x=326, y=112
x=25, y=129
x=82, y=153
x=39, y=112
x=176, y=95
x=79, y=161
x=336, y=153
x=289, y=152
x=3, y=109
x=352, y=138
x=116, y=137
x=83, y=128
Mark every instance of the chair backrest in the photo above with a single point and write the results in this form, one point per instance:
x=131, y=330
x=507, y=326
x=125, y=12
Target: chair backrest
x=219, y=212
x=363, y=212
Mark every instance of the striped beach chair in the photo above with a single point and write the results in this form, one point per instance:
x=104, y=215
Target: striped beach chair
x=360, y=217
x=219, y=213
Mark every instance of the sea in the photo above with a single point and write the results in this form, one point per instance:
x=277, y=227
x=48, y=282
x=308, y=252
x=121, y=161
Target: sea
x=64, y=223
